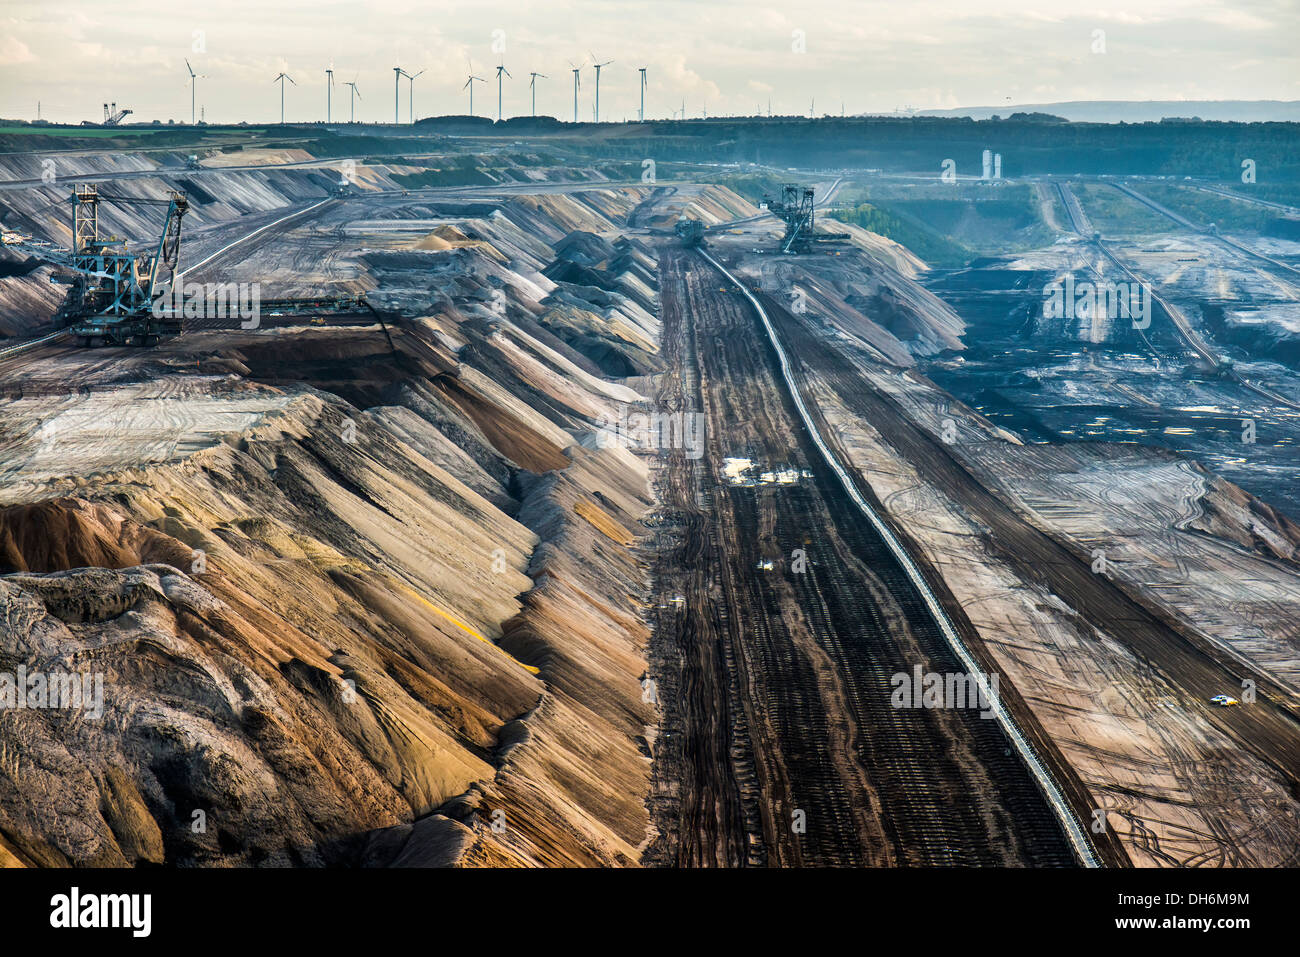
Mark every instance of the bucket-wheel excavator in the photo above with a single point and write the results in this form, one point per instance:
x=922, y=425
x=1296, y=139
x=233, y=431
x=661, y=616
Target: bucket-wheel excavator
x=118, y=297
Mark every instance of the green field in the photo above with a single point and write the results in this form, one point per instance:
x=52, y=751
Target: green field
x=1114, y=214
x=752, y=186
x=1204, y=208
x=90, y=131
x=933, y=247
x=948, y=224
x=1288, y=193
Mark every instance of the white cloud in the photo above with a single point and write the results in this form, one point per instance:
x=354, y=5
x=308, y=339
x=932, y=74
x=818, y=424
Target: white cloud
x=13, y=51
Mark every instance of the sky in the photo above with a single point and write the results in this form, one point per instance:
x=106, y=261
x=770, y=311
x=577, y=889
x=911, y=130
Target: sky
x=719, y=56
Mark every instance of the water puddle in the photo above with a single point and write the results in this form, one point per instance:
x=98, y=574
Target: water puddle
x=741, y=471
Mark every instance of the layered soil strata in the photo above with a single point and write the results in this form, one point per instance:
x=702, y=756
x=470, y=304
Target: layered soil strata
x=361, y=593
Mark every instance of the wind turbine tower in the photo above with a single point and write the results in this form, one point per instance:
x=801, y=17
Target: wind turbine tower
x=533, y=85
x=398, y=73
x=501, y=68
x=598, y=65
x=194, y=84
x=642, y=72
x=469, y=84
x=280, y=79
x=329, y=91
x=577, y=83
x=352, y=100
x=410, y=98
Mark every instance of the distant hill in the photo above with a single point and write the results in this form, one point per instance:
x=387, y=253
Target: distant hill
x=1141, y=111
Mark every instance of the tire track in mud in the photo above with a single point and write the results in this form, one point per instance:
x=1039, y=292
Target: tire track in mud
x=787, y=676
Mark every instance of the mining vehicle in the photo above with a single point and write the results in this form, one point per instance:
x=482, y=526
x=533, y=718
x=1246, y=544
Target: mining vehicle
x=117, y=297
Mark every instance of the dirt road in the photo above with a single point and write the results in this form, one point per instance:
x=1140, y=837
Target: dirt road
x=776, y=682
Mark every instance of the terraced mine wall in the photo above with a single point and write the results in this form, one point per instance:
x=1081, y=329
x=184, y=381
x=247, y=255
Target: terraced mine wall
x=364, y=593
x=229, y=194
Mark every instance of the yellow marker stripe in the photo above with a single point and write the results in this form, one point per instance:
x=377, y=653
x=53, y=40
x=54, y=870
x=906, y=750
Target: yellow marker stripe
x=466, y=628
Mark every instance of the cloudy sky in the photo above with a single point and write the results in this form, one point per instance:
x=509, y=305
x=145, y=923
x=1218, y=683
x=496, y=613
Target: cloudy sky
x=726, y=56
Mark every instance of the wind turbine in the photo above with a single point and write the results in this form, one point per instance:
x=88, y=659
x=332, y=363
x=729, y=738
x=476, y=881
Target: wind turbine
x=398, y=73
x=576, y=84
x=194, y=85
x=501, y=68
x=470, y=85
x=598, y=66
x=329, y=89
x=533, y=85
x=642, y=71
x=352, y=102
x=410, y=99
x=280, y=79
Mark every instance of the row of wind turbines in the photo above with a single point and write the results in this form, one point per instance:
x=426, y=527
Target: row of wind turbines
x=329, y=90
x=532, y=85
x=399, y=73
x=502, y=72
